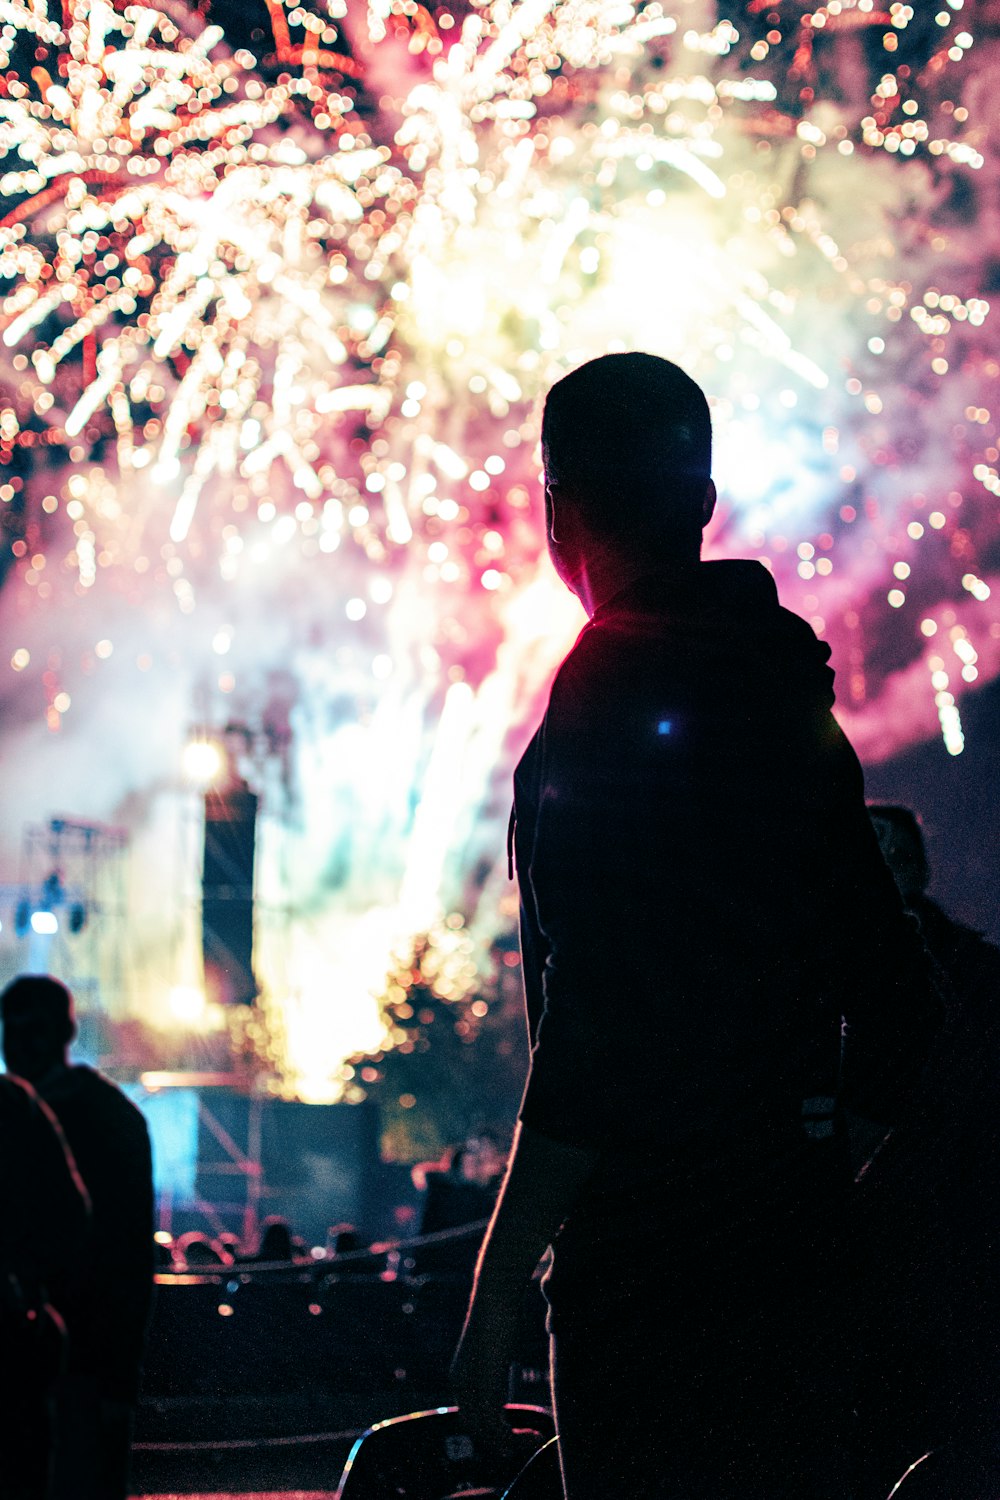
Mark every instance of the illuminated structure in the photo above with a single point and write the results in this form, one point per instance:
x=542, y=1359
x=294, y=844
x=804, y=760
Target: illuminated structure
x=70, y=913
x=276, y=315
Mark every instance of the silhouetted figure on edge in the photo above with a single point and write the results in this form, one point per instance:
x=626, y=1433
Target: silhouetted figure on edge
x=970, y=961
x=458, y=1192
x=702, y=902
x=930, y=1293
x=195, y=1249
x=276, y=1240
x=107, y=1313
x=342, y=1239
x=44, y=1227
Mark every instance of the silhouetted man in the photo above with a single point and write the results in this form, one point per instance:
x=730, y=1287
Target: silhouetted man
x=703, y=902
x=932, y=1200
x=44, y=1224
x=971, y=963
x=107, y=1315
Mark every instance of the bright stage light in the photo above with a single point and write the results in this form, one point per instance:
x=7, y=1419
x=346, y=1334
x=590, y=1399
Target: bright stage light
x=187, y=1004
x=45, y=923
x=203, y=761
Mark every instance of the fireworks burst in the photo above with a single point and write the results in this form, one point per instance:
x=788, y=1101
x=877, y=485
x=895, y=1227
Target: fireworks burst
x=211, y=285
x=276, y=327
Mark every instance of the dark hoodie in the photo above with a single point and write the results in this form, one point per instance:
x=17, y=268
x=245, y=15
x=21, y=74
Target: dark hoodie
x=703, y=897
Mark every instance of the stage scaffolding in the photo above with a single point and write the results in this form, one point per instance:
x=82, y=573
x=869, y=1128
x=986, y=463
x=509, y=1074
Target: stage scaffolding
x=68, y=911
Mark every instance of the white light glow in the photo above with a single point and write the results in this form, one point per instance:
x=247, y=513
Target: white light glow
x=203, y=761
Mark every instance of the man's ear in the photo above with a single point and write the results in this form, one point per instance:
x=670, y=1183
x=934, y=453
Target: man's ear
x=708, y=503
x=551, y=500
x=562, y=514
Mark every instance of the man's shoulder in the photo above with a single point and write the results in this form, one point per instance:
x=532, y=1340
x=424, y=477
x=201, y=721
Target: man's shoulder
x=715, y=615
x=592, y=683
x=610, y=653
x=633, y=654
x=14, y=1092
x=18, y=1100
x=21, y=1106
x=84, y=1086
x=714, y=655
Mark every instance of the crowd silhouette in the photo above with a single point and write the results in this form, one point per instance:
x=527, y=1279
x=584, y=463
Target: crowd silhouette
x=88, y=1393
x=77, y=1252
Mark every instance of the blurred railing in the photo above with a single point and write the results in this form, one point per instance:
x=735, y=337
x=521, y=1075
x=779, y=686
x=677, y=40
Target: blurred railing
x=364, y=1320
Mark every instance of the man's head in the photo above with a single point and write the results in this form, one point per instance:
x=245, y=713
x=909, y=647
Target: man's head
x=627, y=450
x=38, y=1025
x=902, y=844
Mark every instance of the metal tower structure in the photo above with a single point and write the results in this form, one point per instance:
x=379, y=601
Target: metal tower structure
x=70, y=916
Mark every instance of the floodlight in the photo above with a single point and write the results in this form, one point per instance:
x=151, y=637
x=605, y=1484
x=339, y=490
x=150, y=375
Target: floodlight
x=203, y=761
x=187, y=1004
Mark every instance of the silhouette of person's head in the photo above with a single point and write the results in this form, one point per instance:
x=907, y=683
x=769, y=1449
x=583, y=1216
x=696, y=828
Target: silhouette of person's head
x=276, y=1239
x=196, y=1249
x=627, y=452
x=38, y=1025
x=344, y=1239
x=902, y=843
